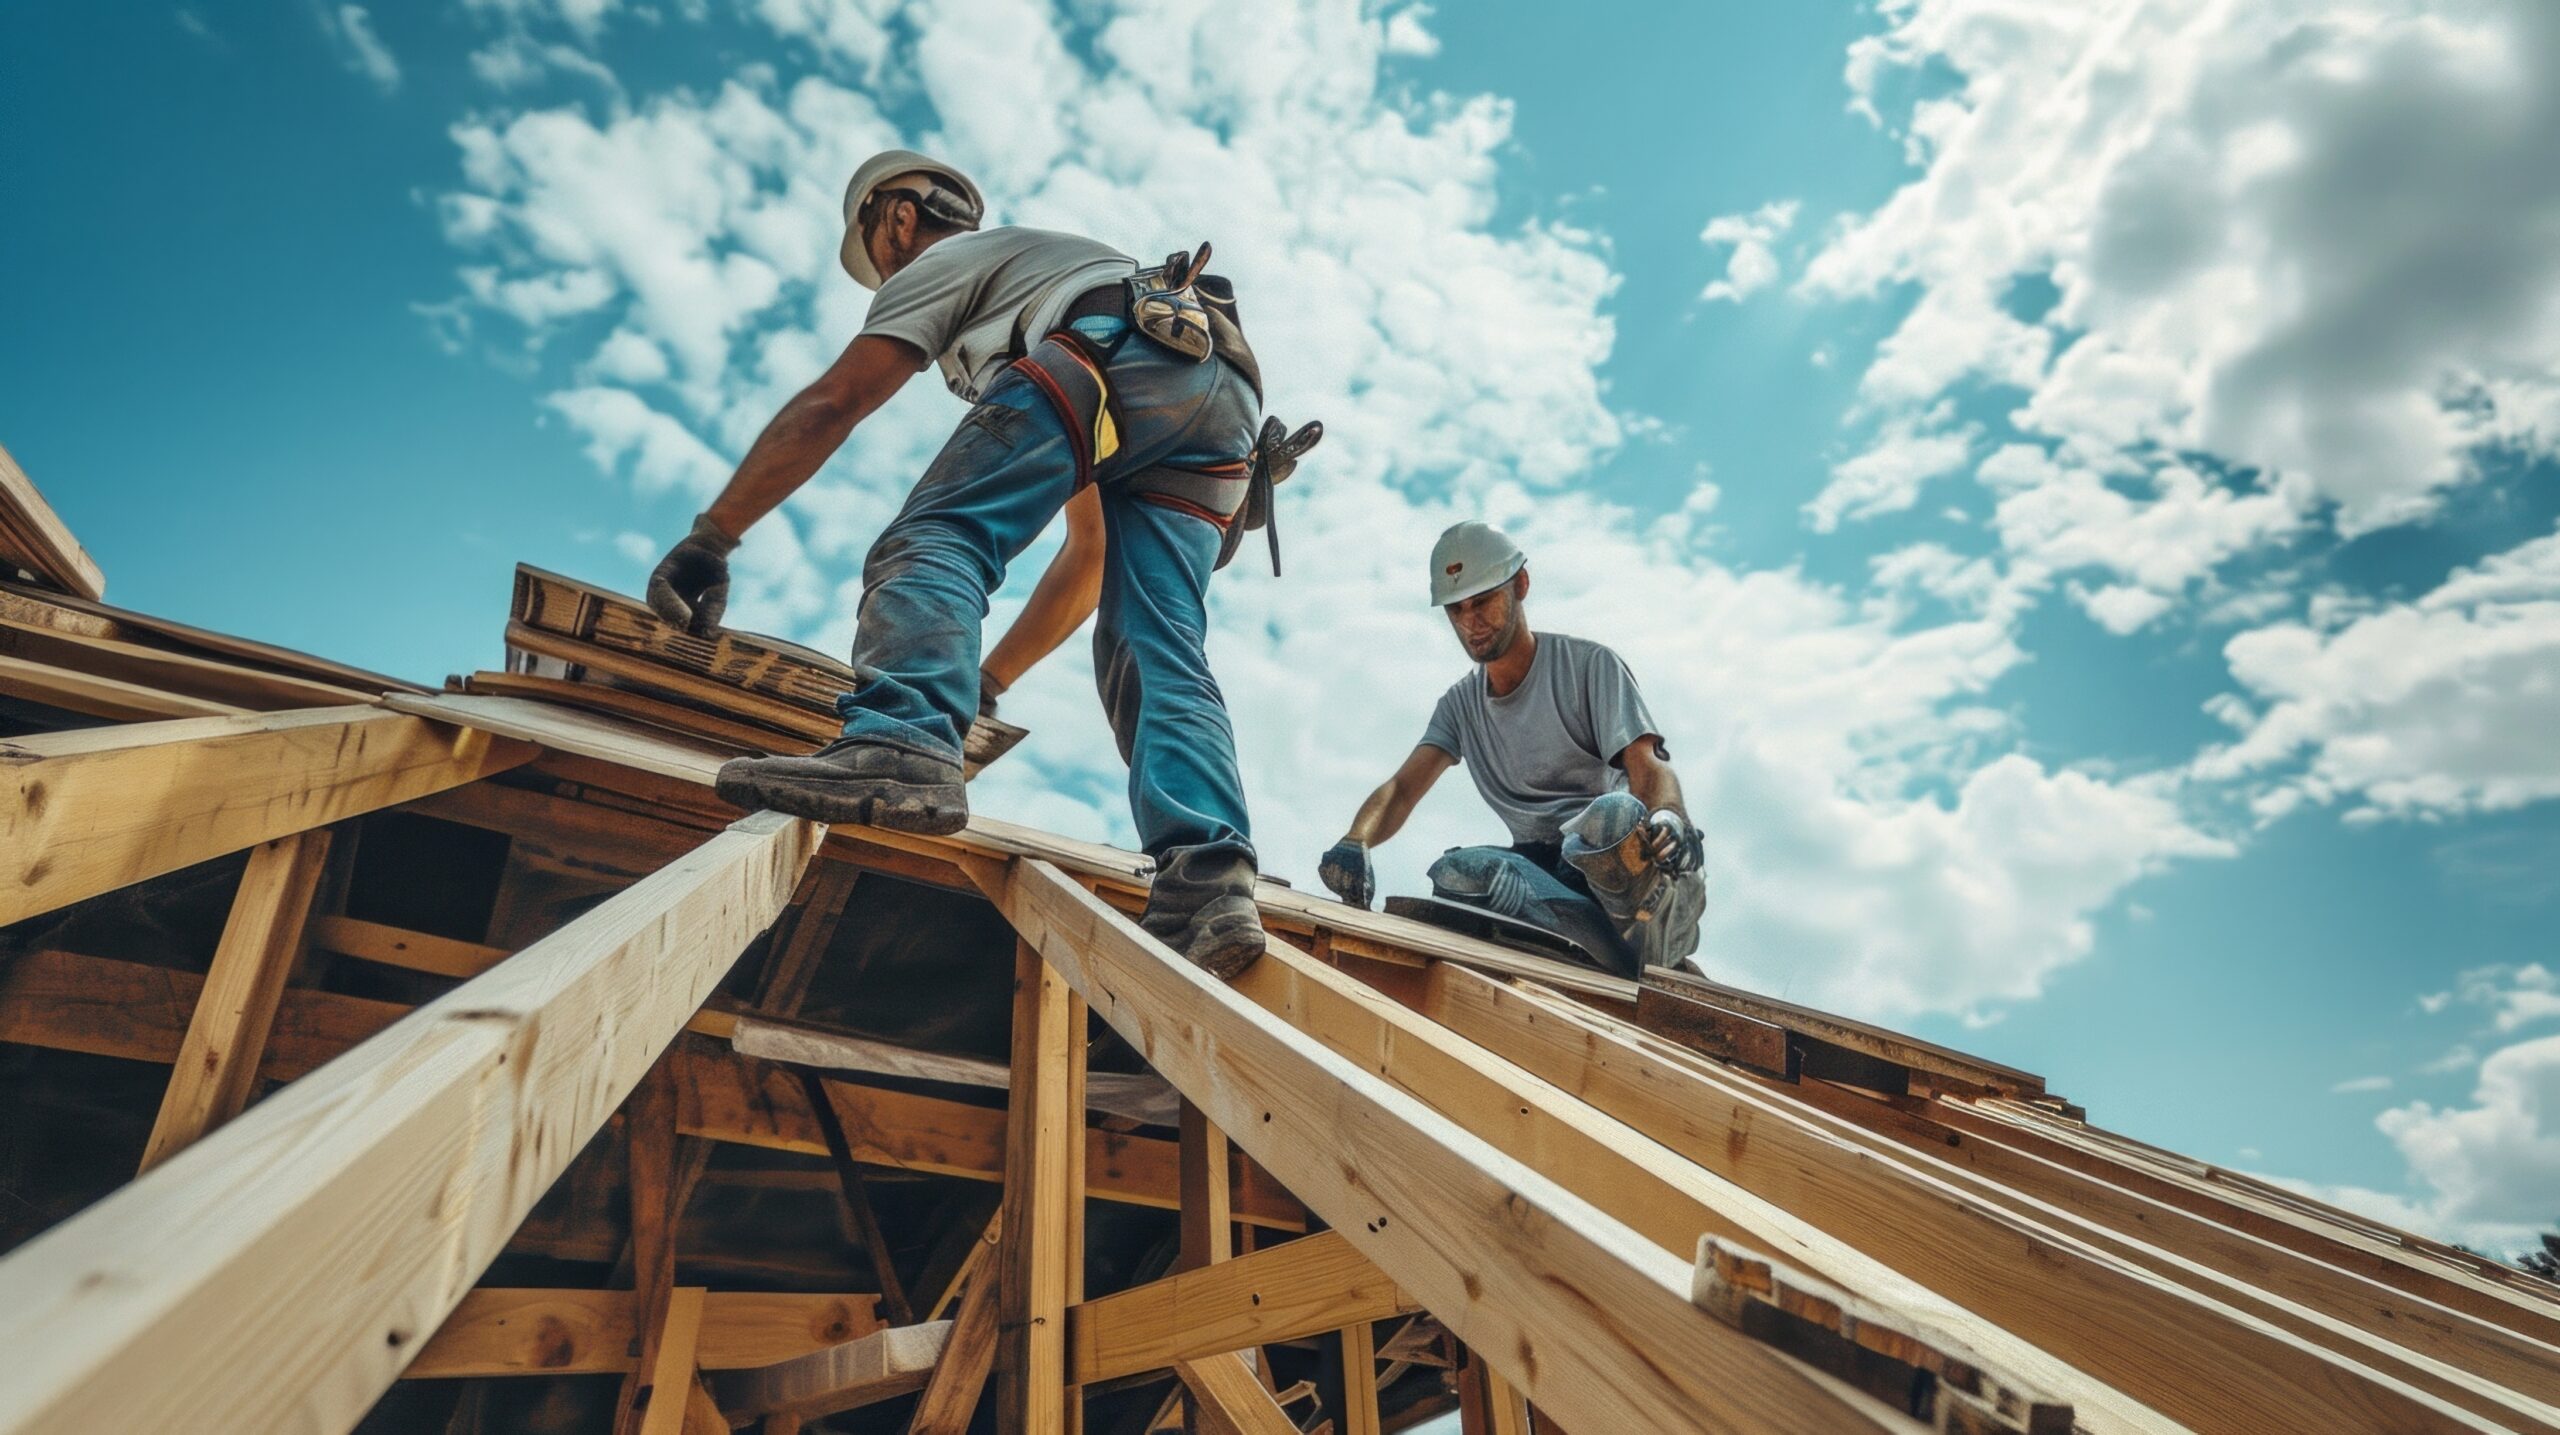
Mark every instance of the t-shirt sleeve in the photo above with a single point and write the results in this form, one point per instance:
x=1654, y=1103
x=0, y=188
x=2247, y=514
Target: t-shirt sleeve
x=1442, y=731
x=925, y=304
x=1618, y=713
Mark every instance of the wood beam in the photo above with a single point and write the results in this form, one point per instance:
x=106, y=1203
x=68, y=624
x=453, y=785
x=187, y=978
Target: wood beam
x=857, y=1200
x=950, y=1398
x=528, y=1331
x=223, y=1273
x=1031, y=1271
x=670, y=1366
x=880, y=1366
x=1359, y=1413
x=2218, y=1360
x=217, y=1067
x=82, y=692
x=649, y=1151
x=1229, y=1399
x=89, y=811
x=1280, y=1293
x=1589, y=1317
x=34, y=538
x=1208, y=1218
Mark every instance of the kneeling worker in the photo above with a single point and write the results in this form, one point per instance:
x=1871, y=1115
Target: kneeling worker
x=1083, y=372
x=1561, y=746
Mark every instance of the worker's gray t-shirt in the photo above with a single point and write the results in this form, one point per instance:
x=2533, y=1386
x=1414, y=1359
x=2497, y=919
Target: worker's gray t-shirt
x=1541, y=753
x=959, y=301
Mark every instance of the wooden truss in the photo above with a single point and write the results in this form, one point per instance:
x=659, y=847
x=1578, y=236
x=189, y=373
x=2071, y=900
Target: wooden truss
x=1408, y=1172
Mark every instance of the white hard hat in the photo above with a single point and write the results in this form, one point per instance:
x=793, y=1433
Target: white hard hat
x=1472, y=558
x=946, y=194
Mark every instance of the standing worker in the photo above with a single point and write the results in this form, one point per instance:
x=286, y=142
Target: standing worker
x=1561, y=746
x=1083, y=372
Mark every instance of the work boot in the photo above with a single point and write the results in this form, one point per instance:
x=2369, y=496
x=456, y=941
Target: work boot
x=1202, y=906
x=853, y=780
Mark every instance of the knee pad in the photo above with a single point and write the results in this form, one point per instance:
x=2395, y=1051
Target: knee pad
x=1607, y=821
x=1483, y=877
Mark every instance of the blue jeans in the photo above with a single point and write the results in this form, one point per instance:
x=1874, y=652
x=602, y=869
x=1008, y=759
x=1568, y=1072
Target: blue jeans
x=1005, y=472
x=1580, y=889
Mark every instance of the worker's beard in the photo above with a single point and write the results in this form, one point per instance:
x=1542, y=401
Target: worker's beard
x=1499, y=641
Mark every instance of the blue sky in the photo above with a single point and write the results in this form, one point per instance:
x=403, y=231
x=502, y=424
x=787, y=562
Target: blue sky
x=2093, y=555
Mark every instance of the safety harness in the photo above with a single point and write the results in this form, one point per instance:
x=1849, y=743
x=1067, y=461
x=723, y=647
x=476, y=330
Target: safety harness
x=1193, y=314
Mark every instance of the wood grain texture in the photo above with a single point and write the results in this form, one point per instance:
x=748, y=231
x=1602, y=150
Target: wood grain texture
x=411, y=1158
x=217, y=1067
x=33, y=537
x=1589, y=1317
x=880, y=1366
x=1229, y=1399
x=526, y=1331
x=1031, y=1252
x=951, y=1396
x=90, y=811
x=1280, y=1293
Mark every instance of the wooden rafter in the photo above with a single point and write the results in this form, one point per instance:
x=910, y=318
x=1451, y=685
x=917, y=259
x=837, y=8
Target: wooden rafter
x=34, y=539
x=89, y=811
x=1280, y=1293
x=1589, y=1317
x=217, y=1067
x=521, y=1331
x=411, y=1159
x=1031, y=1255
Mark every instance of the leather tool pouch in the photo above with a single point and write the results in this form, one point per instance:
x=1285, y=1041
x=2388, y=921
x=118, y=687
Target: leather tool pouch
x=1164, y=305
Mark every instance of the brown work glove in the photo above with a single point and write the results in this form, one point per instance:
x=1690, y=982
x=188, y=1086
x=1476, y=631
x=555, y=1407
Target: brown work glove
x=690, y=587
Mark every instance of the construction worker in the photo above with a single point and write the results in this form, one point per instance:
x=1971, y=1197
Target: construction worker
x=1561, y=746
x=1093, y=382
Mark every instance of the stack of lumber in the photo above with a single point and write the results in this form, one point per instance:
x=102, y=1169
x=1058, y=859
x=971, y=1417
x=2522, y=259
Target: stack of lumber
x=570, y=642
x=34, y=542
x=86, y=657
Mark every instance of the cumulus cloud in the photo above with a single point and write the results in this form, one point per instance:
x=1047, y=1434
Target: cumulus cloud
x=1888, y=475
x=2491, y=1167
x=351, y=28
x=1751, y=265
x=1878, y=842
x=2312, y=240
x=2437, y=707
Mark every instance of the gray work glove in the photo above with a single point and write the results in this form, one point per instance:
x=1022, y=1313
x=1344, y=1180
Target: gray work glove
x=1345, y=869
x=690, y=587
x=1674, y=845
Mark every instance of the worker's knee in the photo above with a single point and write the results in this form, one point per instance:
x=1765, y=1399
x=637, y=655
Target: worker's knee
x=1488, y=877
x=1607, y=821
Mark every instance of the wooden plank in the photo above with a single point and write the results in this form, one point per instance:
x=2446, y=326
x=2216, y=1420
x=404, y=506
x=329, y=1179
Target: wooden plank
x=1031, y=1264
x=211, y=679
x=884, y=1267
x=1718, y=1031
x=649, y=1141
x=1280, y=1293
x=967, y=1240
x=792, y=727
x=1487, y=1404
x=1589, y=1317
x=784, y=983
x=1139, y=1096
x=1071, y=1199
x=445, y=957
x=950, y=1397
x=528, y=1331
x=83, y=617
x=34, y=538
x=1916, y=1371
x=1230, y=1399
x=1208, y=1216
x=67, y=1002
x=2526, y=1363
x=639, y=707
x=224, y=1272
x=95, y=696
x=671, y=1372
x=880, y=1366
x=1857, y=1036
x=217, y=1067
x=1359, y=1380
x=2217, y=1360
x=71, y=827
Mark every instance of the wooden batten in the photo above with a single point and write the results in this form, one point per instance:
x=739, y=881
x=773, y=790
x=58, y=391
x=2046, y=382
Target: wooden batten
x=35, y=540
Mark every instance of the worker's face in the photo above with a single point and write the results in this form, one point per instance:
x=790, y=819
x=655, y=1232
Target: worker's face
x=1490, y=622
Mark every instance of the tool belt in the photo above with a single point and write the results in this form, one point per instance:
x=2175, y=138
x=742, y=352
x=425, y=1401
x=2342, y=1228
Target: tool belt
x=1074, y=372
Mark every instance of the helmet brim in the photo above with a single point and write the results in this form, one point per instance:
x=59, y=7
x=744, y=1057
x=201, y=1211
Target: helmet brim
x=1461, y=590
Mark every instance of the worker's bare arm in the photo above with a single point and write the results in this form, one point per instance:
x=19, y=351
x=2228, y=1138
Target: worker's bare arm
x=1383, y=815
x=1649, y=776
x=1064, y=597
x=811, y=427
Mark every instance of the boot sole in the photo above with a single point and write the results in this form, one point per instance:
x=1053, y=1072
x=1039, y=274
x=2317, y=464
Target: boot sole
x=928, y=809
x=1227, y=949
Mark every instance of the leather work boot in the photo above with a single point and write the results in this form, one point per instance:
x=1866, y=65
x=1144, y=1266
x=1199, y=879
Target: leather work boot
x=1201, y=905
x=852, y=780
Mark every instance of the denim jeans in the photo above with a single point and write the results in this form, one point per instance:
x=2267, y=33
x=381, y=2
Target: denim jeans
x=1580, y=890
x=1005, y=472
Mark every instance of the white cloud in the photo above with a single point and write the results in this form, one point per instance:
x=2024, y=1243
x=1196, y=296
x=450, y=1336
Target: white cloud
x=2356, y=1086
x=2492, y=1165
x=2300, y=242
x=2513, y=996
x=365, y=54
x=2441, y=706
x=1887, y=477
x=1752, y=266
x=1877, y=841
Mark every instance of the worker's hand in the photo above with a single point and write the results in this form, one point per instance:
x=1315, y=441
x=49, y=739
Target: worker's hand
x=1345, y=869
x=691, y=585
x=1672, y=844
